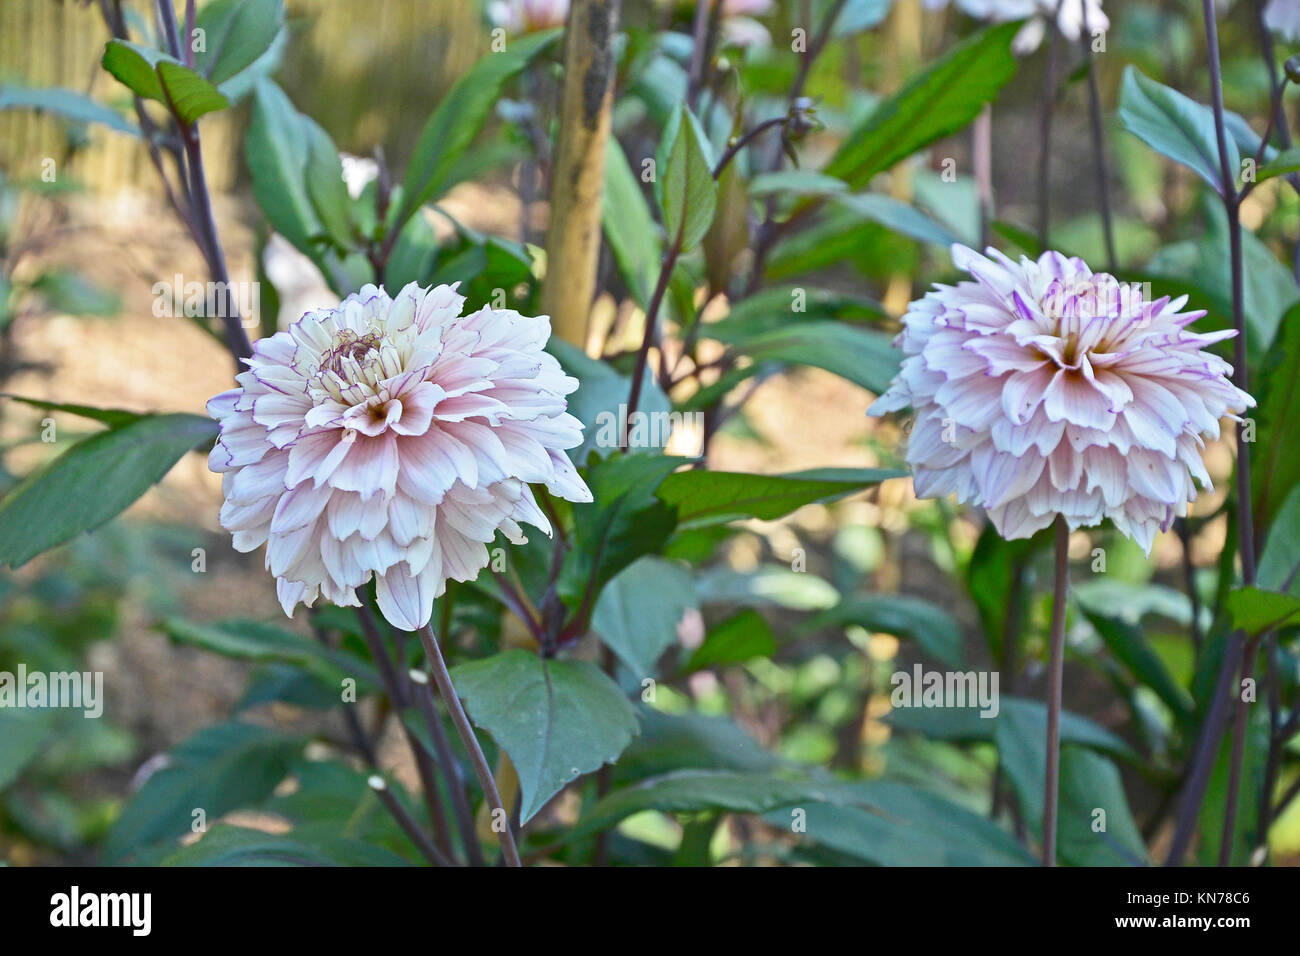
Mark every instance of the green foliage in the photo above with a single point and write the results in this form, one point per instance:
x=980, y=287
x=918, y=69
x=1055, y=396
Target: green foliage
x=93, y=481
x=221, y=768
x=459, y=117
x=945, y=97
x=555, y=719
x=690, y=193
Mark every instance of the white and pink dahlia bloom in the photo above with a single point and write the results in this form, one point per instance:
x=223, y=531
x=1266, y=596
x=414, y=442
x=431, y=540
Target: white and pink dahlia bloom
x=1041, y=389
x=528, y=16
x=392, y=438
x=1283, y=18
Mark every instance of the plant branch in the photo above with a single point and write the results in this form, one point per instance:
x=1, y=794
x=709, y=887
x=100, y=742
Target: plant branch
x=404, y=820
x=442, y=678
x=450, y=766
x=1055, y=675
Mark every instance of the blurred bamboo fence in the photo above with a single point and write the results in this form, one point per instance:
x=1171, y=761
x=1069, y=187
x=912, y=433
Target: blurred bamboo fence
x=369, y=71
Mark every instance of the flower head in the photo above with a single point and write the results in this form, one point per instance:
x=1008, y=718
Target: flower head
x=528, y=16
x=1283, y=18
x=1074, y=18
x=1041, y=389
x=392, y=438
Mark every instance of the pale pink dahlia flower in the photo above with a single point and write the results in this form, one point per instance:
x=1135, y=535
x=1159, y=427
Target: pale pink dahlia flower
x=1042, y=389
x=392, y=438
x=528, y=16
x=1283, y=18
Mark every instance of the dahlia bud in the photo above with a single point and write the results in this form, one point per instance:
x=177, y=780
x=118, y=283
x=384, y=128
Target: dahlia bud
x=1292, y=68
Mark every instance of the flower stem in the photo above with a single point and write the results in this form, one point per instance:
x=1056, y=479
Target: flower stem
x=982, y=161
x=399, y=691
x=1207, y=746
x=438, y=667
x=1045, y=134
x=1099, y=151
x=451, y=766
x=406, y=822
x=1055, y=674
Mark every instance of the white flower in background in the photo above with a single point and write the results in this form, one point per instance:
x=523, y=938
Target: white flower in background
x=1042, y=389
x=1283, y=18
x=392, y=438
x=1074, y=18
x=528, y=16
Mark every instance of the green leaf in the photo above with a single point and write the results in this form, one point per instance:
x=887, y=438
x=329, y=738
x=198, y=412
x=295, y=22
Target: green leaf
x=1174, y=125
x=70, y=292
x=696, y=791
x=256, y=641
x=1279, y=562
x=775, y=308
x=630, y=230
x=1200, y=266
x=1127, y=642
x=413, y=255
x=796, y=182
x=940, y=101
x=109, y=416
x=990, y=577
x=93, y=481
x=1275, y=469
x=1245, y=836
x=690, y=193
x=459, y=117
x=227, y=845
x=555, y=719
x=904, y=616
x=966, y=724
x=326, y=188
x=280, y=146
x=133, y=65
x=740, y=638
x=188, y=95
x=1286, y=162
x=1088, y=782
x=67, y=104
x=863, y=356
x=624, y=522
x=704, y=497
x=677, y=741
x=902, y=218
x=771, y=585
x=900, y=825
x=638, y=611
x=1255, y=610
x=601, y=392
x=221, y=768
x=26, y=734
x=236, y=35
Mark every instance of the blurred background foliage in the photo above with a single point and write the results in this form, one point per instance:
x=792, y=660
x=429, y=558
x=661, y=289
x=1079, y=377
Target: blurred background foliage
x=773, y=655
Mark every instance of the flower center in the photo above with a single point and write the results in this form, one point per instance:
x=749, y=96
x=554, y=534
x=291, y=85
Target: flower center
x=349, y=347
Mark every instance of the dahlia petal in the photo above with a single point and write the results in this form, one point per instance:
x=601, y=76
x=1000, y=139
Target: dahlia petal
x=405, y=599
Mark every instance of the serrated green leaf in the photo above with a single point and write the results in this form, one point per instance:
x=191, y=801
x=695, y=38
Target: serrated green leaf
x=555, y=719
